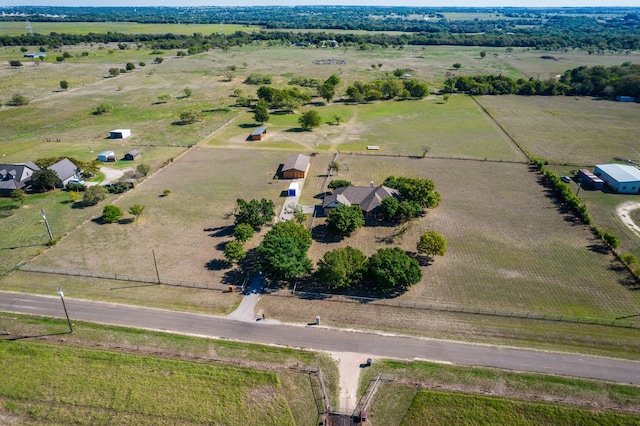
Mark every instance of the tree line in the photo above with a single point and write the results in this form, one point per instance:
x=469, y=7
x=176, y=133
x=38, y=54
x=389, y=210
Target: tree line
x=608, y=82
x=594, y=29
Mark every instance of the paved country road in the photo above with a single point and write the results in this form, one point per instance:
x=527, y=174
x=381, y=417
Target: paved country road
x=328, y=339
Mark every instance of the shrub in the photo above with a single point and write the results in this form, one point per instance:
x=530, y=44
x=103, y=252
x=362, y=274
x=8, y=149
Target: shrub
x=111, y=213
x=103, y=108
x=19, y=100
x=93, y=195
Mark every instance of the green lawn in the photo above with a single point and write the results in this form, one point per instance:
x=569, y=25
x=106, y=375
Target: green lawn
x=49, y=384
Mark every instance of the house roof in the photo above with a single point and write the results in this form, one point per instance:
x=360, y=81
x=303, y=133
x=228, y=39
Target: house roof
x=15, y=176
x=106, y=153
x=621, y=172
x=134, y=152
x=259, y=131
x=65, y=169
x=296, y=162
x=367, y=197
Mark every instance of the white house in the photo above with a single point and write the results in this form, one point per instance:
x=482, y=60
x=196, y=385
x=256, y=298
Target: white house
x=119, y=134
x=621, y=178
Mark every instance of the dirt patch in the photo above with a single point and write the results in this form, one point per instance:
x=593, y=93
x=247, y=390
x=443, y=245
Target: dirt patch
x=624, y=213
x=349, y=366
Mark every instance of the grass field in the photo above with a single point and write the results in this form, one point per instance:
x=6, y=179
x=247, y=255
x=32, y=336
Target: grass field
x=493, y=397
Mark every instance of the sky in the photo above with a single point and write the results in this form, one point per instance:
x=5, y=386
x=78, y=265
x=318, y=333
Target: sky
x=423, y=3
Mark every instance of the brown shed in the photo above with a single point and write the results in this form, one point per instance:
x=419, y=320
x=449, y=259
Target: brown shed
x=259, y=134
x=295, y=167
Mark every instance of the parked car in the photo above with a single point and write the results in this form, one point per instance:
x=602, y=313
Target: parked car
x=565, y=179
x=75, y=182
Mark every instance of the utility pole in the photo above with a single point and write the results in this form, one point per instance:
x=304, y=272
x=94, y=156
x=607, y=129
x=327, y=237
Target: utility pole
x=156, y=265
x=46, y=222
x=65, y=308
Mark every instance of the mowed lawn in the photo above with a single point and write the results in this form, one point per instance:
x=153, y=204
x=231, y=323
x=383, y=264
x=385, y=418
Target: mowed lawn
x=457, y=129
x=50, y=384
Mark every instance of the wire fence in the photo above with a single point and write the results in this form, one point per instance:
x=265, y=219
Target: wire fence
x=128, y=277
x=615, y=322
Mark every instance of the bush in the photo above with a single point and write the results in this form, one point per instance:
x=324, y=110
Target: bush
x=103, y=108
x=243, y=232
x=339, y=183
x=75, y=187
x=15, y=63
x=234, y=251
x=111, y=213
x=93, y=195
x=258, y=79
x=19, y=100
x=392, y=270
x=143, y=169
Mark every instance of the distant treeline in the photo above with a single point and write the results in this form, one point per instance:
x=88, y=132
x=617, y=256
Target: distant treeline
x=594, y=29
x=623, y=80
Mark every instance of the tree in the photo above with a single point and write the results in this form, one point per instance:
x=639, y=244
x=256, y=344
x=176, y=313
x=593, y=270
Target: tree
x=446, y=97
x=130, y=66
x=234, y=251
x=283, y=251
x=229, y=75
x=44, y=180
x=190, y=116
x=457, y=65
x=158, y=60
x=136, y=210
x=389, y=208
x=187, y=92
x=243, y=232
x=103, y=108
x=342, y=267
x=483, y=53
x=114, y=72
x=335, y=166
x=164, y=98
x=111, y=213
x=310, y=119
x=64, y=84
x=343, y=220
x=333, y=80
x=391, y=270
x=93, y=195
x=19, y=100
x=327, y=91
x=19, y=196
x=255, y=213
x=432, y=244
x=337, y=118
x=15, y=63
x=143, y=169
x=420, y=190
x=339, y=183
x=261, y=113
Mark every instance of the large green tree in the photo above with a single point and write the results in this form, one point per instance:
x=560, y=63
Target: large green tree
x=255, y=212
x=391, y=270
x=261, y=112
x=310, y=119
x=342, y=267
x=432, y=244
x=420, y=190
x=343, y=220
x=44, y=180
x=283, y=252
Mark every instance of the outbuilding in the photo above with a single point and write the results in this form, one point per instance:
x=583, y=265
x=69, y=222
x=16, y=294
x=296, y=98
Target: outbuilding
x=132, y=155
x=295, y=167
x=107, y=156
x=589, y=180
x=293, y=189
x=119, y=134
x=259, y=134
x=620, y=177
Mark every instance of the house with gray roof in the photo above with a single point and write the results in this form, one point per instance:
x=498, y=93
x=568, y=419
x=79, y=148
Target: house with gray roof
x=65, y=170
x=15, y=176
x=368, y=198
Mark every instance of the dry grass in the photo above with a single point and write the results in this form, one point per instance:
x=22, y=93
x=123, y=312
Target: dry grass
x=582, y=131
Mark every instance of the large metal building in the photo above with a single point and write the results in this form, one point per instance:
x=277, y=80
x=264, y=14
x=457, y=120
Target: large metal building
x=619, y=177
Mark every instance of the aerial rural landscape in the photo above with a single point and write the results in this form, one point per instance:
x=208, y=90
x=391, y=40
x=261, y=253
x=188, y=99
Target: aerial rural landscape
x=319, y=215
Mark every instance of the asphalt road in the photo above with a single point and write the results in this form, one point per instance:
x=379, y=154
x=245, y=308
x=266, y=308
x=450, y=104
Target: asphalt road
x=328, y=339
